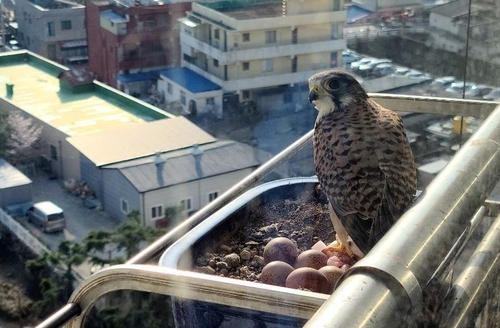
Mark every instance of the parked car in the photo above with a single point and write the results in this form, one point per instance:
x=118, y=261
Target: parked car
x=493, y=95
x=355, y=65
x=366, y=69
x=48, y=216
x=416, y=73
x=400, y=71
x=478, y=91
x=383, y=69
x=457, y=87
x=443, y=82
x=349, y=57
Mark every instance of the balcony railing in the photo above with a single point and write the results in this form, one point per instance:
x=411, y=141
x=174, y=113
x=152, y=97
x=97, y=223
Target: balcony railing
x=386, y=287
x=242, y=52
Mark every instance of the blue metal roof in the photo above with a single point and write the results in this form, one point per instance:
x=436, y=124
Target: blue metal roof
x=113, y=17
x=190, y=80
x=138, y=77
x=354, y=13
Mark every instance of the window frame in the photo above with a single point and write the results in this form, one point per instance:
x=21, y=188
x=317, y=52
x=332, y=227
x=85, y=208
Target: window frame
x=209, y=195
x=124, y=209
x=66, y=25
x=188, y=201
x=159, y=212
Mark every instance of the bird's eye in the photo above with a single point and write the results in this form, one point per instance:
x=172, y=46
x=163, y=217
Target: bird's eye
x=334, y=84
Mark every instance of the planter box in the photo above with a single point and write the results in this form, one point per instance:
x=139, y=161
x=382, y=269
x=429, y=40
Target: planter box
x=217, y=229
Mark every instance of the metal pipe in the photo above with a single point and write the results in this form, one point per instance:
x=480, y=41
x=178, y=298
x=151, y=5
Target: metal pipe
x=407, y=256
x=469, y=292
x=435, y=105
x=63, y=315
x=192, y=285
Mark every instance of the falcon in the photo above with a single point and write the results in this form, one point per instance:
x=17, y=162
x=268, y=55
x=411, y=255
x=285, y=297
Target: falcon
x=362, y=159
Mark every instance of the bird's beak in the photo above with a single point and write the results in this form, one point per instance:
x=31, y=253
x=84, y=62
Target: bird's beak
x=312, y=96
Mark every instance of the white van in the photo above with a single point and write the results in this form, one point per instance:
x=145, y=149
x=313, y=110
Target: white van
x=48, y=216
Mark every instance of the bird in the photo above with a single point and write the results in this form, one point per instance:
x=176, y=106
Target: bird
x=362, y=159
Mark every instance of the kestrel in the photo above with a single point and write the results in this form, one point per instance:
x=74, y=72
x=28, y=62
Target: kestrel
x=363, y=160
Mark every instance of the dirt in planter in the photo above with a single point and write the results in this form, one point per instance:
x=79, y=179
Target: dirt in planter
x=302, y=220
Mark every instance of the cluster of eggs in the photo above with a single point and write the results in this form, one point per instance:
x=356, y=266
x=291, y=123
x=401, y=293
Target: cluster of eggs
x=311, y=270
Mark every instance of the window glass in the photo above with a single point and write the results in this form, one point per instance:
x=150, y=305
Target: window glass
x=66, y=25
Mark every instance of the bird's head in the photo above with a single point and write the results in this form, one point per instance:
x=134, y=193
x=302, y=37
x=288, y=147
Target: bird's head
x=334, y=91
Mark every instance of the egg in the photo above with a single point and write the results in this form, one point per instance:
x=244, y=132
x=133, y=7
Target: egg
x=308, y=279
x=311, y=258
x=280, y=249
x=275, y=273
x=332, y=274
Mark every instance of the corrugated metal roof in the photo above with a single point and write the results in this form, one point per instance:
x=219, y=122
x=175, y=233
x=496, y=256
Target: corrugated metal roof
x=180, y=166
x=190, y=80
x=139, y=140
x=10, y=176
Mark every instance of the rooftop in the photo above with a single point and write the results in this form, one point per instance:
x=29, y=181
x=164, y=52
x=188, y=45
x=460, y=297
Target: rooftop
x=180, y=165
x=93, y=109
x=453, y=8
x=190, y=80
x=242, y=10
x=10, y=176
x=140, y=140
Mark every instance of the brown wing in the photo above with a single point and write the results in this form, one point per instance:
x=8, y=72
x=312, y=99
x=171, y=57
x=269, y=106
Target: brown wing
x=396, y=163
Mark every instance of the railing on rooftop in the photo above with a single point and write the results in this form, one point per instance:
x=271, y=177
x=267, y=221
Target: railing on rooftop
x=390, y=280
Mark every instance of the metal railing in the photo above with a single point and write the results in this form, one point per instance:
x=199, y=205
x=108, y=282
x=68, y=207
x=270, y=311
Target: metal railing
x=392, y=275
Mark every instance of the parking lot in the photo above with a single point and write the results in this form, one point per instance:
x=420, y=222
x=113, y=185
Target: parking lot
x=79, y=219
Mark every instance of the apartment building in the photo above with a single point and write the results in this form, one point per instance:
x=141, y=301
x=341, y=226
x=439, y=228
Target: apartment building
x=54, y=29
x=448, y=29
x=129, y=38
x=253, y=48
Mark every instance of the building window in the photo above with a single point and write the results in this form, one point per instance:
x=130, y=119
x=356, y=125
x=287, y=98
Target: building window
x=210, y=101
x=124, y=205
x=66, y=25
x=53, y=152
x=186, y=204
x=270, y=36
x=245, y=94
x=336, y=5
x=246, y=37
x=50, y=29
x=157, y=212
x=169, y=88
x=212, y=196
x=267, y=65
x=246, y=66
x=183, y=98
x=217, y=34
x=216, y=63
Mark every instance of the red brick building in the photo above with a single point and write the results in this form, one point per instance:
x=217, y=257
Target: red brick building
x=128, y=37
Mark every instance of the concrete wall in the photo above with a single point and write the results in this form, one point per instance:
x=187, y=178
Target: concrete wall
x=197, y=191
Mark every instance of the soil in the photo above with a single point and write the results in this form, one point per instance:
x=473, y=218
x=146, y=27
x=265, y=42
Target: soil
x=303, y=221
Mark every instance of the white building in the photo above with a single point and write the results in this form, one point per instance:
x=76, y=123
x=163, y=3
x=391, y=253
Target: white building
x=188, y=93
x=448, y=29
x=53, y=29
x=247, y=48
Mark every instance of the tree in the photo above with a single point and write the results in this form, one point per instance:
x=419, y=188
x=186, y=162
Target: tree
x=23, y=143
x=132, y=232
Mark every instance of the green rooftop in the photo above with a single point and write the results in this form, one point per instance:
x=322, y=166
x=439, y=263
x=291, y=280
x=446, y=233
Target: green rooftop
x=82, y=110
